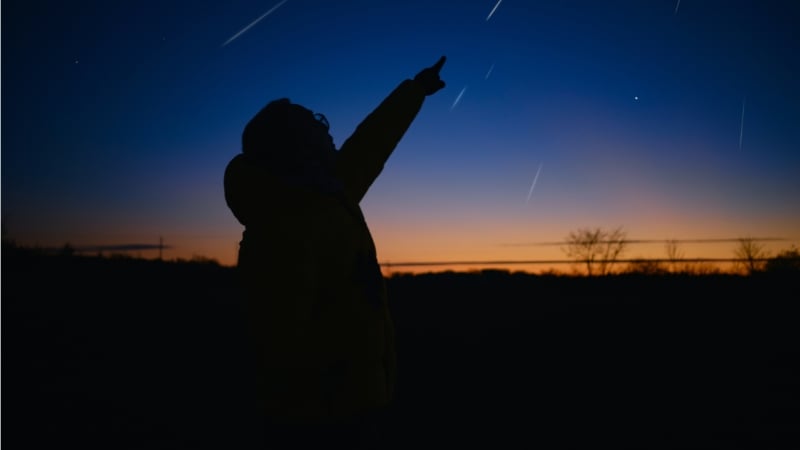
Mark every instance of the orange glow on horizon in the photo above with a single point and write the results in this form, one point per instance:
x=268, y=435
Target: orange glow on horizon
x=482, y=240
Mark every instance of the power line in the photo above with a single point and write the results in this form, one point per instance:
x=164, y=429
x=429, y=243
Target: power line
x=652, y=241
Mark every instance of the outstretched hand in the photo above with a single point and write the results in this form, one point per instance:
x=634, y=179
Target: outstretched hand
x=429, y=79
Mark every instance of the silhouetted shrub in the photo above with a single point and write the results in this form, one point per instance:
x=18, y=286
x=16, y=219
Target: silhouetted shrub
x=645, y=267
x=787, y=261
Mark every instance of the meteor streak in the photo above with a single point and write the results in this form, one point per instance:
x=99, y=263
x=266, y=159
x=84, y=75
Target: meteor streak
x=254, y=22
x=677, y=6
x=533, y=185
x=493, y=10
x=458, y=99
x=489, y=72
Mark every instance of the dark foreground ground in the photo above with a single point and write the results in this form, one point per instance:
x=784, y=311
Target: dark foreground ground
x=132, y=354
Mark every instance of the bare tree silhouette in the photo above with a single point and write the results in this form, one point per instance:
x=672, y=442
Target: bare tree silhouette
x=750, y=254
x=598, y=248
x=674, y=255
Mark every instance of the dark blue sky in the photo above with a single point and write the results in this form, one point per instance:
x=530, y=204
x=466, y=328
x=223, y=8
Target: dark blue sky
x=118, y=118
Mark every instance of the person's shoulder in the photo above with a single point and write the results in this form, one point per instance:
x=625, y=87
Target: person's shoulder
x=244, y=176
x=239, y=165
x=237, y=160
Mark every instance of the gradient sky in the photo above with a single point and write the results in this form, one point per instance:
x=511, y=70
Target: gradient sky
x=672, y=120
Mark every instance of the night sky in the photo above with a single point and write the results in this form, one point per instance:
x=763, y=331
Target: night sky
x=674, y=120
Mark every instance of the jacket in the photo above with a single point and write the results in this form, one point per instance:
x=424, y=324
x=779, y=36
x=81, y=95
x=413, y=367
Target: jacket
x=316, y=301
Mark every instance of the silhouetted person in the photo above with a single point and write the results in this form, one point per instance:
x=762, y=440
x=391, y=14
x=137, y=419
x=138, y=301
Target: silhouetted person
x=316, y=299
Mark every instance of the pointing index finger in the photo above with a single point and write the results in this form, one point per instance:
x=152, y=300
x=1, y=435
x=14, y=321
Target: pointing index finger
x=438, y=66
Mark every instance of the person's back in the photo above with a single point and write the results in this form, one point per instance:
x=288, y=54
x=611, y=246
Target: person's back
x=317, y=306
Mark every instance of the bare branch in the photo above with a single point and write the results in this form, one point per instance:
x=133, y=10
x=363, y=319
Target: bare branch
x=597, y=248
x=751, y=255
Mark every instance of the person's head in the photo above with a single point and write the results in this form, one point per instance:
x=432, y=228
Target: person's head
x=289, y=137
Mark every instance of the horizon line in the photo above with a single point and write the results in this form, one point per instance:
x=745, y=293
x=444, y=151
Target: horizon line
x=570, y=261
x=102, y=248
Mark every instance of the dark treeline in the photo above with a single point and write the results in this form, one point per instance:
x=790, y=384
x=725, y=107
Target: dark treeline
x=129, y=353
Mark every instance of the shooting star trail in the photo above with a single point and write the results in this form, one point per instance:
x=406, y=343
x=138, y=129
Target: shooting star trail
x=493, y=10
x=677, y=6
x=458, y=99
x=741, y=127
x=253, y=23
x=533, y=185
x=489, y=72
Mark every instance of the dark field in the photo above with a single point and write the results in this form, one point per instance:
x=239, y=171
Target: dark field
x=133, y=354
